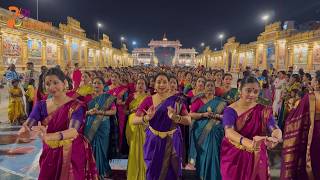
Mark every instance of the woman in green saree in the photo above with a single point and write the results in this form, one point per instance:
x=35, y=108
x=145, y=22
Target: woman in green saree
x=227, y=92
x=136, y=135
x=97, y=128
x=208, y=132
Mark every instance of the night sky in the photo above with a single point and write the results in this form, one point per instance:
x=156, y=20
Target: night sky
x=190, y=21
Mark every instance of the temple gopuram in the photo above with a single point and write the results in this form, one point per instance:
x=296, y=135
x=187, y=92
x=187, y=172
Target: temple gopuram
x=164, y=52
x=277, y=47
x=25, y=40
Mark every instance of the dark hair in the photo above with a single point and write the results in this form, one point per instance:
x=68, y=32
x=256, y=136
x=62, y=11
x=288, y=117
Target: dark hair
x=282, y=72
x=308, y=75
x=31, y=82
x=296, y=76
x=163, y=74
x=56, y=72
x=265, y=73
x=246, y=73
x=227, y=74
x=210, y=80
x=301, y=72
x=99, y=78
x=318, y=76
x=145, y=81
x=14, y=81
x=248, y=80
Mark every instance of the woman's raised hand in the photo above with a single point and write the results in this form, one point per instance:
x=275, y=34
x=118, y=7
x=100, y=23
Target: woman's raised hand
x=150, y=113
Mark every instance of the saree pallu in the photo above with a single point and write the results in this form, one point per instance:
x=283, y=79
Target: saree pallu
x=163, y=156
x=301, y=146
x=97, y=131
x=231, y=96
x=238, y=163
x=136, y=137
x=16, y=112
x=71, y=161
x=120, y=92
x=208, y=135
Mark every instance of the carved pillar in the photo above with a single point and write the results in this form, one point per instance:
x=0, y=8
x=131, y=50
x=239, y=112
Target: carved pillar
x=256, y=61
x=79, y=53
x=60, y=52
x=276, y=56
x=24, y=50
x=290, y=55
x=310, y=57
x=264, y=57
x=44, y=52
x=1, y=53
x=69, y=48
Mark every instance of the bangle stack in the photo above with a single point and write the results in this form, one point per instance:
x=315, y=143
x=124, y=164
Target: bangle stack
x=178, y=119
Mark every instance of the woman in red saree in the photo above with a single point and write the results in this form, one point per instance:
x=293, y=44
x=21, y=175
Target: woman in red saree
x=246, y=123
x=121, y=92
x=301, y=147
x=66, y=154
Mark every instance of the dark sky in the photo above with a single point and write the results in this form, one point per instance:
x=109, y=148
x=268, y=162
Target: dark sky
x=190, y=21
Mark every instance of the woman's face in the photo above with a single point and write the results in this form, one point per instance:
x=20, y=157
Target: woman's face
x=200, y=84
x=151, y=83
x=227, y=80
x=189, y=77
x=141, y=85
x=162, y=84
x=250, y=92
x=98, y=85
x=86, y=78
x=209, y=87
x=115, y=79
x=173, y=84
x=54, y=85
x=218, y=76
x=208, y=75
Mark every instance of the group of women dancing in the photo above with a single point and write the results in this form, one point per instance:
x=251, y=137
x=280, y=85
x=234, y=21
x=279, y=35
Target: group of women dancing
x=166, y=119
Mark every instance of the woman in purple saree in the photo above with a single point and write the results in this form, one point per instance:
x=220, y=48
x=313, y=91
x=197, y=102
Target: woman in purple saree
x=163, y=146
x=246, y=123
x=66, y=153
x=301, y=147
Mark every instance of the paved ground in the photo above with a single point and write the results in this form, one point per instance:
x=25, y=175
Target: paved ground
x=16, y=167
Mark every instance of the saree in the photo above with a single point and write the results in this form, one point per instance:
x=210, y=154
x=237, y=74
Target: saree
x=97, y=131
x=238, y=163
x=121, y=94
x=208, y=135
x=69, y=159
x=301, y=146
x=163, y=154
x=230, y=96
x=135, y=137
x=16, y=112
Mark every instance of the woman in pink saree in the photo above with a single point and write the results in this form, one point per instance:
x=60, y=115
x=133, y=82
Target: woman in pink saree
x=66, y=153
x=246, y=123
x=301, y=146
x=121, y=92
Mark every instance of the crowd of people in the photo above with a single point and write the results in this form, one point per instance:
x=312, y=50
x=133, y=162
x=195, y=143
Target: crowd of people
x=167, y=118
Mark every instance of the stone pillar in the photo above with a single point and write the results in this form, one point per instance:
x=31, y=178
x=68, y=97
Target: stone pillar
x=276, y=55
x=79, y=53
x=2, y=68
x=310, y=57
x=264, y=57
x=290, y=55
x=69, y=48
x=24, y=50
x=60, y=53
x=44, y=52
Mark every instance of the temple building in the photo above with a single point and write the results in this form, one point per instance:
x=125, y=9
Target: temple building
x=280, y=46
x=164, y=52
x=23, y=40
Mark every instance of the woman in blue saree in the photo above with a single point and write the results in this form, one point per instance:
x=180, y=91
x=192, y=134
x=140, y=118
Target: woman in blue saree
x=228, y=93
x=97, y=128
x=163, y=147
x=207, y=132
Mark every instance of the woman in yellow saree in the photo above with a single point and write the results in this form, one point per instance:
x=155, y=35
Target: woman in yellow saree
x=136, y=135
x=16, y=113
